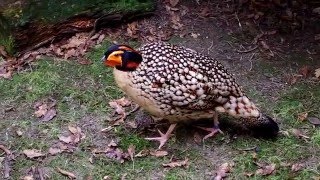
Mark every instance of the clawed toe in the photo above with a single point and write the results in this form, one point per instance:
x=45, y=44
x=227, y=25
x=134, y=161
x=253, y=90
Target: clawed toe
x=163, y=137
x=212, y=131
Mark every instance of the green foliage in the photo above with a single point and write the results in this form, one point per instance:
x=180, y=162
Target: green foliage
x=53, y=11
x=6, y=39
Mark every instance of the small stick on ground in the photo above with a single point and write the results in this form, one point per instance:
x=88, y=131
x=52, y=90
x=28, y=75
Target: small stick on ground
x=251, y=61
x=236, y=15
x=6, y=165
x=132, y=111
x=248, y=50
x=248, y=149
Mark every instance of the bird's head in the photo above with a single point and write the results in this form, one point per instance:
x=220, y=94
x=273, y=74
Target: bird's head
x=122, y=57
x=262, y=126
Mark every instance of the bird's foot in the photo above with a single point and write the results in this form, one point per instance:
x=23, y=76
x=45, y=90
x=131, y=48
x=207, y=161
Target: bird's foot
x=163, y=137
x=212, y=131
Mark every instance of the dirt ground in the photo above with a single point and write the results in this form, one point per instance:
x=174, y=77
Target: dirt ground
x=275, y=69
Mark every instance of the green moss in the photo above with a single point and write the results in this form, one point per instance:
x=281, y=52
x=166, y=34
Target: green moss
x=50, y=11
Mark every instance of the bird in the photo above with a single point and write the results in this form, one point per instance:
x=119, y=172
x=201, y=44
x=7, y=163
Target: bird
x=179, y=84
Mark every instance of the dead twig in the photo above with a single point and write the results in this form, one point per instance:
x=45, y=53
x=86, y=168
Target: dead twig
x=6, y=165
x=247, y=50
x=250, y=60
x=132, y=111
x=6, y=150
x=248, y=149
x=239, y=23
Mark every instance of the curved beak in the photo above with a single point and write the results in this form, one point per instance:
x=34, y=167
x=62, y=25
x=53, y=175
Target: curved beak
x=113, y=60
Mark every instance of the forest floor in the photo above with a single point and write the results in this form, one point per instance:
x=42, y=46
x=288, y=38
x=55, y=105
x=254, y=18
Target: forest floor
x=56, y=120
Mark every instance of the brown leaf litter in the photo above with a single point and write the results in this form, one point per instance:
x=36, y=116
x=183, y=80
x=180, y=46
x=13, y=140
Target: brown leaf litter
x=158, y=153
x=177, y=163
x=33, y=153
x=297, y=167
x=6, y=161
x=223, y=171
x=265, y=170
x=45, y=110
x=35, y=173
x=73, y=48
x=112, y=151
x=70, y=175
x=299, y=134
x=314, y=120
x=75, y=136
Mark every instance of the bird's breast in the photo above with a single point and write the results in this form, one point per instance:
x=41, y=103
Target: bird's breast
x=138, y=89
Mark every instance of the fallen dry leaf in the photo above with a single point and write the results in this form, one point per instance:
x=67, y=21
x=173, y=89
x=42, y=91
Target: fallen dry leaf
x=29, y=177
x=248, y=174
x=118, y=109
x=83, y=61
x=75, y=137
x=195, y=35
x=297, y=167
x=173, y=3
x=42, y=110
x=45, y=110
x=266, y=170
x=117, y=154
x=66, y=139
x=54, y=151
x=302, y=116
x=317, y=73
x=305, y=71
x=132, y=29
x=106, y=178
x=19, y=132
x=107, y=129
x=158, y=153
x=33, y=153
x=132, y=124
x=74, y=130
x=205, y=12
x=223, y=170
x=174, y=164
x=3, y=52
x=123, y=102
x=49, y=115
x=131, y=151
x=197, y=138
x=112, y=144
x=142, y=153
x=66, y=173
x=299, y=134
x=5, y=74
x=6, y=150
x=314, y=120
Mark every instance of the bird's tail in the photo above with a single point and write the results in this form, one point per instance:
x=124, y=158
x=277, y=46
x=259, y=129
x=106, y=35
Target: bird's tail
x=249, y=115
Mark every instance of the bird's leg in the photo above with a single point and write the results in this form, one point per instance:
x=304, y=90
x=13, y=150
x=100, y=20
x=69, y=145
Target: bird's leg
x=163, y=137
x=214, y=130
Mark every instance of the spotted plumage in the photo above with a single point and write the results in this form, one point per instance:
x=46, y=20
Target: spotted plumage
x=181, y=81
x=180, y=84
